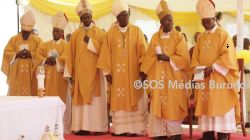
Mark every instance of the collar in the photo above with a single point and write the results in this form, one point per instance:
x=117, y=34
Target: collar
x=212, y=30
x=165, y=35
x=56, y=42
x=21, y=37
x=90, y=26
x=123, y=29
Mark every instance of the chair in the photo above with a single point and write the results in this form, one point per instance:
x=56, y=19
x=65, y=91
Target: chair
x=242, y=122
x=191, y=120
x=191, y=117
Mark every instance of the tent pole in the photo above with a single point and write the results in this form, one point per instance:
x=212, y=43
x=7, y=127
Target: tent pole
x=17, y=4
x=240, y=24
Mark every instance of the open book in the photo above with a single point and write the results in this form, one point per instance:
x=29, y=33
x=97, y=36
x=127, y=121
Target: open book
x=199, y=73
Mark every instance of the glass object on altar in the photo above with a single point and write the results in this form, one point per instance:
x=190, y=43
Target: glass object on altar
x=56, y=133
x=47, y=134
x=21, y=137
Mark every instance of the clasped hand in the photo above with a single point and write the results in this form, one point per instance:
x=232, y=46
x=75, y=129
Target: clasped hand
x=23, y=54
x=50, y=61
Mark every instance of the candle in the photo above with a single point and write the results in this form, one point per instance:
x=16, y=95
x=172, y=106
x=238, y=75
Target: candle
x=40, y=77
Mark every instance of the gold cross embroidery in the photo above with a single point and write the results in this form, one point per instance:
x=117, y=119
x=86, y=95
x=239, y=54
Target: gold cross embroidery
x=48, y=75
x=205, y=96
x=24, y=68
x=123, y=40
x=24, y=90
x=120, y=92
x=120, y=67
x=164, y=100
x=163, y=75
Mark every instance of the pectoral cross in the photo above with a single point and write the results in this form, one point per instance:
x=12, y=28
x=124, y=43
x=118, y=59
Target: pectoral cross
x=123, y=40
x=207, y=45
x=206, y=48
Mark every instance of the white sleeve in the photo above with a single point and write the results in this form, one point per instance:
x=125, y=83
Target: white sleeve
x=105, y=73
x=12, y=61
x=43, y=63
x=66, y=72
x=174, y=65
x=59, y=67
x=222, y=70
x=91, y=46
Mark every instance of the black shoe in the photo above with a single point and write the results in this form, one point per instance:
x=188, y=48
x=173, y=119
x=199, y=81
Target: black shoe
x=222, y=136
x=132, y=135
x=82, y=133
x=175, y=137
x=209, y=135
x=119, y=135
x=99, y=133
x=160, y=138
x=247, y=125
x=76, y=133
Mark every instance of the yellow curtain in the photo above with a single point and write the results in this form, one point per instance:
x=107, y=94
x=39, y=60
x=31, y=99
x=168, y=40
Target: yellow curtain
x=103, y=7
x=100, y=7
x=246, y=16
x=180, y=18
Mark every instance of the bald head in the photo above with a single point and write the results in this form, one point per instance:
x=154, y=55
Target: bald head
x=246, y=44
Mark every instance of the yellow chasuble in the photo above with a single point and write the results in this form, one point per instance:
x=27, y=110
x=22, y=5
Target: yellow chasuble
x=21, y=78
x=212, y=48
x=85, y=74
x=168, y=102
x=55, y=82
x=121, y=56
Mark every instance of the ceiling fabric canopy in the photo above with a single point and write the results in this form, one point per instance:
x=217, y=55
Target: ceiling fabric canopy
x=50, y=7
x=183, y=10
x=189, y=5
